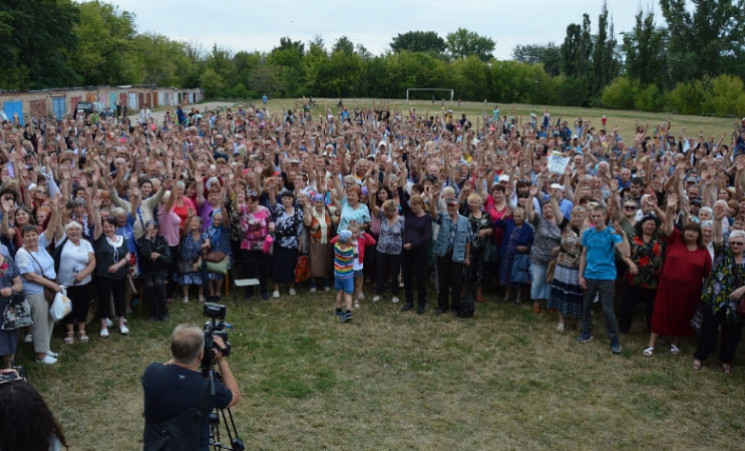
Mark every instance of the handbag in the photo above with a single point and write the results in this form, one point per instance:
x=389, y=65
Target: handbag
x=302, y=269
x=550, y=269
x=214, y=256
x=219, y=267
x=61, y=306
x=520, y=271
x=17, y=313
x=49, y=293
x=184, y=266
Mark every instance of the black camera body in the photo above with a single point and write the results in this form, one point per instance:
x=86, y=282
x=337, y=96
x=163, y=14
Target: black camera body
x=215, y=327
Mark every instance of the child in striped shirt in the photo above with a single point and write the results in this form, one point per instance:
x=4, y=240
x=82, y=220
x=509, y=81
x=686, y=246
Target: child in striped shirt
x=344, y=256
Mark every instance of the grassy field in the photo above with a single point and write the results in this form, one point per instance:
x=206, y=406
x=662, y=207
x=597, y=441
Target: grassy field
x=390, y=380
x=625, y=120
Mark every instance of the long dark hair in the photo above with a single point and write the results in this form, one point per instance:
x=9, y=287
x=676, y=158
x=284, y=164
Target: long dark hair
x=25, y=420
x=696, y=227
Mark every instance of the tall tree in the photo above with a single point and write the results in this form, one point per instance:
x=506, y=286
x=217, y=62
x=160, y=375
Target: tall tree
x=577, y=50
x=706, y=40
x=106, y=44
x=605, y=67
x=344, y=45
x=645, y=54
x=462, y=43
x=549, y=55
x=36, y=41
x=418, y=41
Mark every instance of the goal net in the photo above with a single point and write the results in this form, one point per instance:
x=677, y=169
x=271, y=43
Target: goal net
x=408, y=91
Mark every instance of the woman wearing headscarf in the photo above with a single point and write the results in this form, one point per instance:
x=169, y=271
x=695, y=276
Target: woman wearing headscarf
x=155, y=258
x=320, y=231
x=217, y=239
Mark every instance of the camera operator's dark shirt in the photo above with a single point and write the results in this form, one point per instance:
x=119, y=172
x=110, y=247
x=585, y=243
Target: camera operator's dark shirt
x=171, y=390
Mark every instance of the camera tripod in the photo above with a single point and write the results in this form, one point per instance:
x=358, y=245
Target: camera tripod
x=234, y=443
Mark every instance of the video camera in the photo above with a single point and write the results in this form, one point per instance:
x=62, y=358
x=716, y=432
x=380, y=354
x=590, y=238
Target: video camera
x=215, y=327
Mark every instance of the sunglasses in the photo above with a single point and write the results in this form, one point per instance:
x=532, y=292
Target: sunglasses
x=629, y=207
x=737, y=243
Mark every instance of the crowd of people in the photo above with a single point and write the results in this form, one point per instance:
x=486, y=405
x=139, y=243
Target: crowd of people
x=376, y=201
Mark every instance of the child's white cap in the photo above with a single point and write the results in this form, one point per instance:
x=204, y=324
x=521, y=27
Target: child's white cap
x=345, y=235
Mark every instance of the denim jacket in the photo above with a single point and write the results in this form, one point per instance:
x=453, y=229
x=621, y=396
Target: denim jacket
x=463, y=235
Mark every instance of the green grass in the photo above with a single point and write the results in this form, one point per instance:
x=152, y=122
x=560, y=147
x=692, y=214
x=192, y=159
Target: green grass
x=625, y=120
x=390, y=380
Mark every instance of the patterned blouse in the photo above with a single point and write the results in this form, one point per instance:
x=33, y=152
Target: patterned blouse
x=648, y=259
x=571, y=246
x=287, y=228
x=391, y=235
x=726, y=276
x=477, y=225
x=547, y=236
x=254, y=227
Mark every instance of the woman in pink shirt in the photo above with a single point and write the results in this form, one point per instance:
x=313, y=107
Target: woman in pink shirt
x=169, y=224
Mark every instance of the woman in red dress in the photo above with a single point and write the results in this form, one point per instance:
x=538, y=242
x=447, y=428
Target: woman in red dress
x=687, y=263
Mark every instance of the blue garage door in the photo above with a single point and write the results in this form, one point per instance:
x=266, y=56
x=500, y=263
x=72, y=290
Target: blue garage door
x=58, y=107
x=14, y=106
x=112, y=101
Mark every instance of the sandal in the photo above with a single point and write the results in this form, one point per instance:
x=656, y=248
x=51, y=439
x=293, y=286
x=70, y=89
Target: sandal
x=649, y=352
x=83, y=337
x=674, y=350
x=697, y=365
x=69, y=338
x=727, y=368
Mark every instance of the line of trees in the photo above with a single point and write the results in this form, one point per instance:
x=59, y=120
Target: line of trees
x=694, y=63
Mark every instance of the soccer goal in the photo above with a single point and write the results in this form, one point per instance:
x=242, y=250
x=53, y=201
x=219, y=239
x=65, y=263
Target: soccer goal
x=452, y=92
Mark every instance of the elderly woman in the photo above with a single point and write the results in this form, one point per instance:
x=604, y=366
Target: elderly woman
x=76, y=264
x=518, y=237
x=190, y=259
x=37, y=268
x=255, y=223
x=546, y=245
x=722, y=293
x=217, y=239
x=288, y=225
x=687, y=263
x=416, y=240
x=155, y=257
x=388, y=251
x=320, y=231
x=647, y=247
x=10, y=284
x=111, y=270
x=351, y=208
x=482, y=228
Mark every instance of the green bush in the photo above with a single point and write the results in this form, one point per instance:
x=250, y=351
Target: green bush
x=726, y=96
x=620, y=94
x=686, y=98
x=649, y=99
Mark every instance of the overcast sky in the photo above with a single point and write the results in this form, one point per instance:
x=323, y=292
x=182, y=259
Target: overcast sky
x=258, y=25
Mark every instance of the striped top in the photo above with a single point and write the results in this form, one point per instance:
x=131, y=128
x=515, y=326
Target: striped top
x=343, y=261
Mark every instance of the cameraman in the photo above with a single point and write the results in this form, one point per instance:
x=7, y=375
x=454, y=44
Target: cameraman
x=178, y=385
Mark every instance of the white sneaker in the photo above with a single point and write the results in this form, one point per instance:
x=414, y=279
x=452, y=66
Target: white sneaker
x=326, y=288
x=376, y=298
x=52, y=354
x=312, y=290
x=560, y=327
x=361, y=296
x=109, y=323
x=29, y=339
x=275, y=294
x=292, y=292
x=104, y=333
x=47, y=360
x=395, y=299
x=123, y=329
x=356, y=304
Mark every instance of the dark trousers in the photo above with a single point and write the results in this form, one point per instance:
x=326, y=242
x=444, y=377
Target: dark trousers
x=387, y=268
x=450, y=279
x=731, y=334
x=171, y=287
x=632, y=294
x=415, y=269
x=255, y=264
x=604, y=289
x=80, y=296
x=105, y=288
x=154, y=290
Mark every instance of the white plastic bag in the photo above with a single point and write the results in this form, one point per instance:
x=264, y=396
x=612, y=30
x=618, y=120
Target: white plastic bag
x=61, y=306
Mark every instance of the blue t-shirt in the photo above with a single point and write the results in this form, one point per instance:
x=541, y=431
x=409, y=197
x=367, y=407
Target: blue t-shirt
x=360, y=215
x=600, y=263
x=171, y=390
